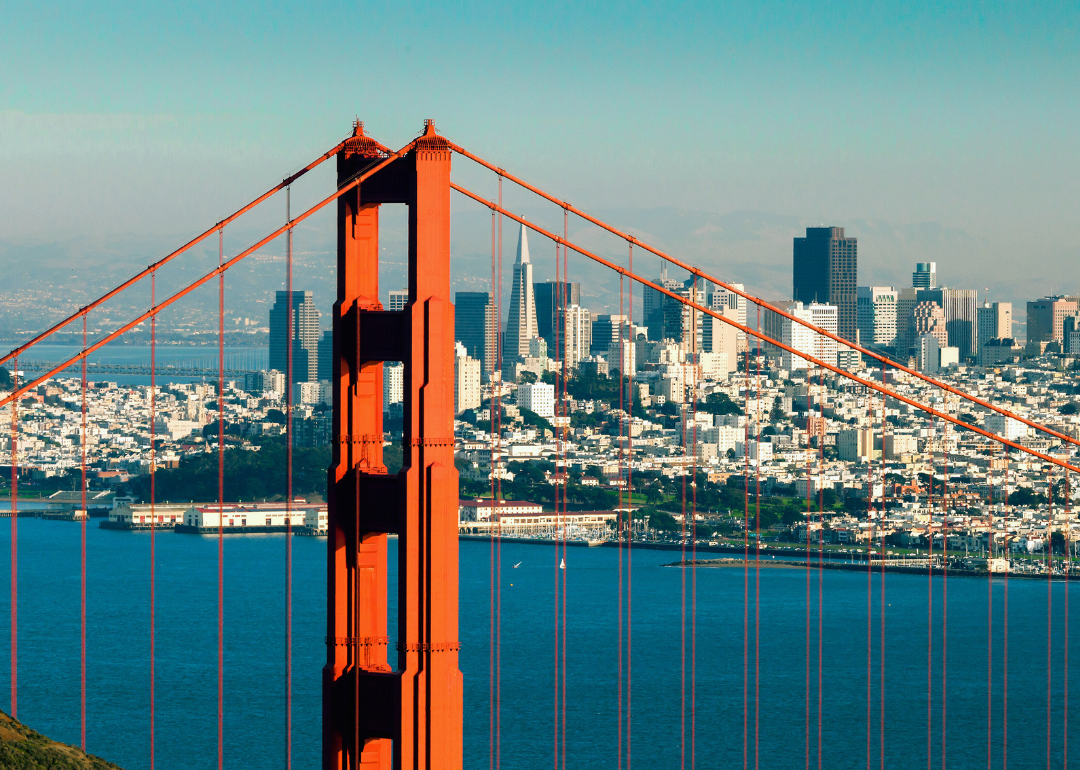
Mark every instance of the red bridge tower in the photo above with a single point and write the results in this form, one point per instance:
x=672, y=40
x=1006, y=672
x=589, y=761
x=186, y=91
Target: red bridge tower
x=375, y=716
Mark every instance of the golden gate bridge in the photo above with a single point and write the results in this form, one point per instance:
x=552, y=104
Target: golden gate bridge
x=402, y=708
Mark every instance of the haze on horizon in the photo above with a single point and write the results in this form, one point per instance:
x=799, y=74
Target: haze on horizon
x=942, y=132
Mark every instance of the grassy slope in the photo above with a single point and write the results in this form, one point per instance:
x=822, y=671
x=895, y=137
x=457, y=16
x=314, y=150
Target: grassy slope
x=23, y=749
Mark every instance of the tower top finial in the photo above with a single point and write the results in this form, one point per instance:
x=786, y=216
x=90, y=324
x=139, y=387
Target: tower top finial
x=358, y=127
x=429, y=127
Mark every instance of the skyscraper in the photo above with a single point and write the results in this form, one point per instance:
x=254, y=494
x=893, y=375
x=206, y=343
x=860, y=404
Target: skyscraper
x=605, y=332
x=654, y=303
x=959, y=306
x=824, y=268
x=550, y=297
x=878, y=316
x=475, y=327
x=521, y=318
x=305, y=334
x=925, y=275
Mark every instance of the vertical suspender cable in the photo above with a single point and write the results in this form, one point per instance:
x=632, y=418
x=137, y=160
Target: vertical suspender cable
x=630, y=498
x=621, y=522
x=682, y=580
x=557, y=535
x=869, y=576
x=757, y=554
x=693, y=567
x=881, y=602
x=821, y=542
x=746, y=561
x=1049, y=548
x=82, y=624
x=14, y=629
x=990, y=628
x=806, y=603
x=565, y=374
x=930, y=609
x=945, y=598
x=491, y=521
x=498, y=541
x=620, y=525
x=153, y=514
x=1005, y=636
x=221, y=504
x=289, y=333
x=1065, y=674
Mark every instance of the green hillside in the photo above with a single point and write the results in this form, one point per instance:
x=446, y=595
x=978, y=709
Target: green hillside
x=23, y=749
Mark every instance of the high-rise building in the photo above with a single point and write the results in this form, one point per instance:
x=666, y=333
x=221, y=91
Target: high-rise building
x=680, y=323
x=722, y=298
x=326, y=355
x=576, y=335
x=1046, y=318
x=466, y=381
x=994, y=323
x=925, y=275
x=959, y=306
x=929, y=318
x=393, y=383
x=550, y=297
x=824, y=268
x=476, y=327
x=655, y=303
x=521, y=318
x=878, y=316
x=995, y=320
x=805, y=340
x=605, y=331
x=720, y=337
x=305, y=335
x=399, y=298
x=906, y=300
x=538, y=397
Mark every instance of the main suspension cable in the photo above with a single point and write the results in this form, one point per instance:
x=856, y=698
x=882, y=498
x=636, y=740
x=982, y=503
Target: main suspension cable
x=18, y=391
x=698, y=273
x=869, y=383
x=165, y=260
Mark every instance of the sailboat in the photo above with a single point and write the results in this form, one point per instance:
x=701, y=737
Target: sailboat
x=562, y=563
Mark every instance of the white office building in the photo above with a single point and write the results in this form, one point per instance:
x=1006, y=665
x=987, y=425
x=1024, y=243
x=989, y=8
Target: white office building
x=877, y=316
x=393, y=383
x=538, y=397
x=805, y=340
x=466, y=381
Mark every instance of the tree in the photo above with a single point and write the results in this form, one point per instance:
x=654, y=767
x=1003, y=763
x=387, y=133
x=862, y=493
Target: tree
x=719, y=403
x=1069, y=408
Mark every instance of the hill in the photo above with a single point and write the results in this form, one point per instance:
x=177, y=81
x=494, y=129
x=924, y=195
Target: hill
x=24, y=749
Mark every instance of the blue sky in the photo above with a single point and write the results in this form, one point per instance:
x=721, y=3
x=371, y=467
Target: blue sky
x=158, y=117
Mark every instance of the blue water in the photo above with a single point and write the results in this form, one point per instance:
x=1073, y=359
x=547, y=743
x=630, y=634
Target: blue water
x=186, y=709
x=248, y=358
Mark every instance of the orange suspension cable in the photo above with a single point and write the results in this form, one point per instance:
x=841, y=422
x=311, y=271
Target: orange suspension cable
x=163, y=261
x=153, y=311
x=765, y=338
x=696, y=272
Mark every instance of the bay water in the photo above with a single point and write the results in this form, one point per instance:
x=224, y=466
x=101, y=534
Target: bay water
x=712, y=732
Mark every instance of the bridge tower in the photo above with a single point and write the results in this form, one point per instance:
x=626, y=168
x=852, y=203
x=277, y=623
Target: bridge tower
x=375, y=716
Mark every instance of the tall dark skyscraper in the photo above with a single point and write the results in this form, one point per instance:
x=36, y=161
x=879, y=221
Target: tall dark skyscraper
x=475, y=327
x=305, y=345
x=824, y=270
x=548, y=302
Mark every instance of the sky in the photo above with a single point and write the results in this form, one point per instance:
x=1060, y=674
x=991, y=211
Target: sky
x=943, y=131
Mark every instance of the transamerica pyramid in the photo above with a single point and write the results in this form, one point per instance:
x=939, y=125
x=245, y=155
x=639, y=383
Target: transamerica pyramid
x=521, y=318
